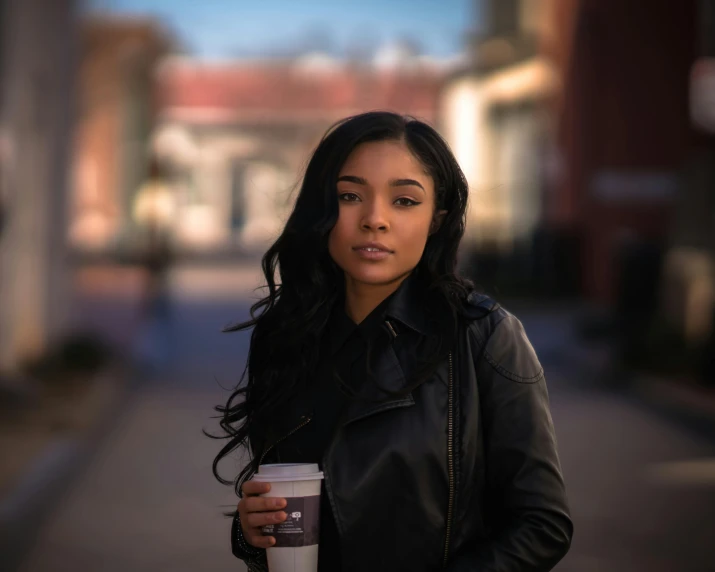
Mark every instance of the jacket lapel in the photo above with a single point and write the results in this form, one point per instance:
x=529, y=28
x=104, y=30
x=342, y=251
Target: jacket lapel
x=289, y=416
x=372, y=399
x=406, y=319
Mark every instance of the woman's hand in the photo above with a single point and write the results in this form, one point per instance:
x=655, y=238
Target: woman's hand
x=256, y=512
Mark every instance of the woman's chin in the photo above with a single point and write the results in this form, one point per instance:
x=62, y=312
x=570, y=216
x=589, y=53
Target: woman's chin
x=375, y=276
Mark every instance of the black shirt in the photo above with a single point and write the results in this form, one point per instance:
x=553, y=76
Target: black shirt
x=343, y=357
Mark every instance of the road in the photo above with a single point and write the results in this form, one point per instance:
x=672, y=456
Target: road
x=642, y=488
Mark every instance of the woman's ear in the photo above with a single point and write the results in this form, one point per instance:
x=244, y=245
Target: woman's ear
x=437, y=221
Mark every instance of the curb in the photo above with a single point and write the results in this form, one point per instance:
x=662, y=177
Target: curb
x=42, y=485
x=23, y=511
x=56, y=459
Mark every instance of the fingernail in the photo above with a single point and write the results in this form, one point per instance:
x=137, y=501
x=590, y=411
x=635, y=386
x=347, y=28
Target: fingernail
x=279, y=516
x=279, y=503
x=272, y=541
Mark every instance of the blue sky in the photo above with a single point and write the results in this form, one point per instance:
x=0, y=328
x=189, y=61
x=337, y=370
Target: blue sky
x=224, y=28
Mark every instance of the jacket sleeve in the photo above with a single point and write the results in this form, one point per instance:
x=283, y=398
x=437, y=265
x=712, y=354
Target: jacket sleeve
x=255, y=558
x=527, y=510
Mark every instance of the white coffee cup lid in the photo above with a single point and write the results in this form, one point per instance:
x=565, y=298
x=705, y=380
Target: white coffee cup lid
x=288, y=472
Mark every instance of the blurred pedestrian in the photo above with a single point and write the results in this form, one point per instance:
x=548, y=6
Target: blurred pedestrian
x=422, y=400
x=154, y=211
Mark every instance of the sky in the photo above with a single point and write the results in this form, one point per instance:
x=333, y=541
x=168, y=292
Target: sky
x=231, y=28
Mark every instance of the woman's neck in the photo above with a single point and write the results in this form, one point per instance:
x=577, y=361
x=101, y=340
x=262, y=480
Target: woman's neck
x=361, y=298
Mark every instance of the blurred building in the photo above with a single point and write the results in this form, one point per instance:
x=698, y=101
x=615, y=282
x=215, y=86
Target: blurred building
x=688, y=288
x=624, y=130
x=494, y=114
x=586, y=129
x=637, y=141
x=37, y=75
x=582, y=128
x=115, y=119
x=234, y=137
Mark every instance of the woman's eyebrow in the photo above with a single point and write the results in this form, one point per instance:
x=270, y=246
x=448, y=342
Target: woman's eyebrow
x=353, y=179
x=393, y=182
x=406, y=183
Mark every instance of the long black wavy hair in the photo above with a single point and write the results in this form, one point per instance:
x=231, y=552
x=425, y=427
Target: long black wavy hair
x=289, y=321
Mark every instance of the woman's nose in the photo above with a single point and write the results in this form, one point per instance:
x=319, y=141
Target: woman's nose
x=375, y=216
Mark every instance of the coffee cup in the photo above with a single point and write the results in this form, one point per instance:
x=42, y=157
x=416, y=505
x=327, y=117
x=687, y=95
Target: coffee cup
x=296, y=547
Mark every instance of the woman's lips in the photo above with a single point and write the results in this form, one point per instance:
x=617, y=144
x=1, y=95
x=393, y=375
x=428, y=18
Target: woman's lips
x=372, y=253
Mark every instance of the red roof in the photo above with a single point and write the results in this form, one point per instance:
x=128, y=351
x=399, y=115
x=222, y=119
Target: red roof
x=253, y=90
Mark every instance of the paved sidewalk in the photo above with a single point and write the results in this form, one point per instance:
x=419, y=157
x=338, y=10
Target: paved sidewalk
x=45, y=438
x=553, y=330
x=42, y=446
x=162, y=429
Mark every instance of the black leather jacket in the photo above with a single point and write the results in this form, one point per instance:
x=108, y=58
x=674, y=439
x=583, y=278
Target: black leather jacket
x=460, y=475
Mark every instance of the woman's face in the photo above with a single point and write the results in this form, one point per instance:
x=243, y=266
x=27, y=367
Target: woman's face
x=386, y=207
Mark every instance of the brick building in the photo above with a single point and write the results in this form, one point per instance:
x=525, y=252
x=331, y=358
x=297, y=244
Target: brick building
x=116, y=111
x=235, y=137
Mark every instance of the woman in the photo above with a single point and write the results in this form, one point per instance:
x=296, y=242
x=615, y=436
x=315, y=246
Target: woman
x=423, y=401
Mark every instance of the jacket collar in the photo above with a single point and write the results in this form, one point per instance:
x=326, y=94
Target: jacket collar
x=405, y=306
x=408, y=303
x=341, y=327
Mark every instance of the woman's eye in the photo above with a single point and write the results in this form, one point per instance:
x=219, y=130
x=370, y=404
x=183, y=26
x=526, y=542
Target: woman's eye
x=348, y=197
x=405, y=202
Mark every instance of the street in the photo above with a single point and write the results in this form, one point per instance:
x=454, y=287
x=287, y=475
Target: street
x=148, y=501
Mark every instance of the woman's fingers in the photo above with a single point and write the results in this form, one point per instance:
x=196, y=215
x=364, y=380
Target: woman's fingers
x=261, y=541
x=255, y=488
x=262, y=504
x=261, y=519
x=257, y=512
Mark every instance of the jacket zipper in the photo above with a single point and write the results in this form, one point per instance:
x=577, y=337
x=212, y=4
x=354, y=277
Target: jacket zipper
x=450, y=461
x=306, y=419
